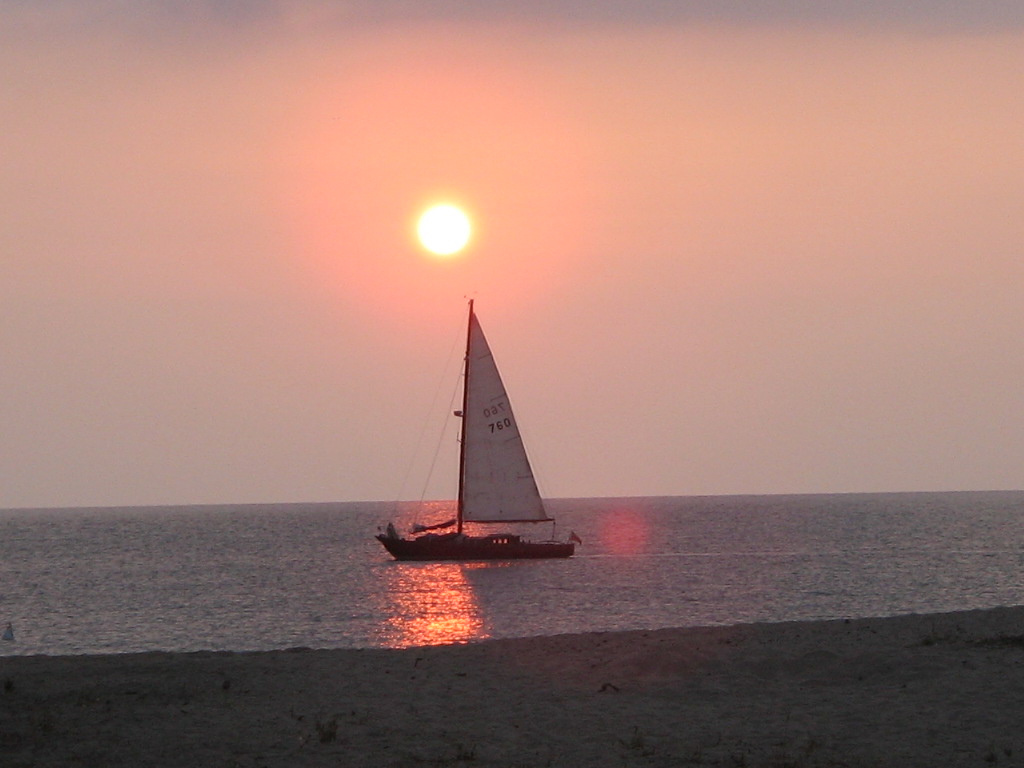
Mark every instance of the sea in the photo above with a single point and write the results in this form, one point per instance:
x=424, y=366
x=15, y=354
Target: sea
x=263, y=577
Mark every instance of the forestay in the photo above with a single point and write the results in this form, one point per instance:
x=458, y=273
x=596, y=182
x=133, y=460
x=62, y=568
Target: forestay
x=497, y=482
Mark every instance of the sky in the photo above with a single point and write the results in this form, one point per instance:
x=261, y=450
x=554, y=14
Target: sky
x=719, y=247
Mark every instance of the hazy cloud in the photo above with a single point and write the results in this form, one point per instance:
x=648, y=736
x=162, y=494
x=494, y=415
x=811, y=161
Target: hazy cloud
x=171, y=16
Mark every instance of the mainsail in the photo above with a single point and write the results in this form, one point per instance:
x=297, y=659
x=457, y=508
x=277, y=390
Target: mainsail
x=497, y=482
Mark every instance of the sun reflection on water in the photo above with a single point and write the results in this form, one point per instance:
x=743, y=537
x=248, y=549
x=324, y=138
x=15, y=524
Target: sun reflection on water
x=431, y=604
x=624, y=530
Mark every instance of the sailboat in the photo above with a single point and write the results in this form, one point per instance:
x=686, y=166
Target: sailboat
x=496, y=482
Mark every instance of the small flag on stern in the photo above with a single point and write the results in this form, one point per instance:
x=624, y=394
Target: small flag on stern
x=574, y=537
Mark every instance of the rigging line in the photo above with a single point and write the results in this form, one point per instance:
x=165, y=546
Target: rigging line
x=426, y=421
x=440, y=439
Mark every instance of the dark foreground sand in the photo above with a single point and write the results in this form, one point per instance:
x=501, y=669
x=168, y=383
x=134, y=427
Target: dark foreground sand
x=945, y=690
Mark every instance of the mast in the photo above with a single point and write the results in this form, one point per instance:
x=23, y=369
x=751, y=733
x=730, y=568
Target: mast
x=462, y=429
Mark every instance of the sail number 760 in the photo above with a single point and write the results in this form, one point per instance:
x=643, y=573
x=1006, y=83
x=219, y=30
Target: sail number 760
x=496, y=412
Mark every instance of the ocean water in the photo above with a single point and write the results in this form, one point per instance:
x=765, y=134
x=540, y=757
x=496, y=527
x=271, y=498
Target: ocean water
x=279, y=576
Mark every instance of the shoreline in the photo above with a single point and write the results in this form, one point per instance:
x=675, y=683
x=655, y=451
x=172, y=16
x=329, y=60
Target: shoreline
x=921, y=689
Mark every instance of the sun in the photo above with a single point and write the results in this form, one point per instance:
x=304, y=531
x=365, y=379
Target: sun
x=444, y=229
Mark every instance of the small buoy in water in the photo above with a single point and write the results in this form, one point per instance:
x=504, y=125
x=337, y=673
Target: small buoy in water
x=9, y=632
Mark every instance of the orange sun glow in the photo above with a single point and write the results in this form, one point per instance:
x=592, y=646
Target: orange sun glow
x=444, y=229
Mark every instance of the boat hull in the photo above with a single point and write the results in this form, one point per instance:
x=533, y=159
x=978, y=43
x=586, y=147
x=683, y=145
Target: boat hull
x=470, y=548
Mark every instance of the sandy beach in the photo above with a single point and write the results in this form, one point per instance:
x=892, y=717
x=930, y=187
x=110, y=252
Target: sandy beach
x=934, y=690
